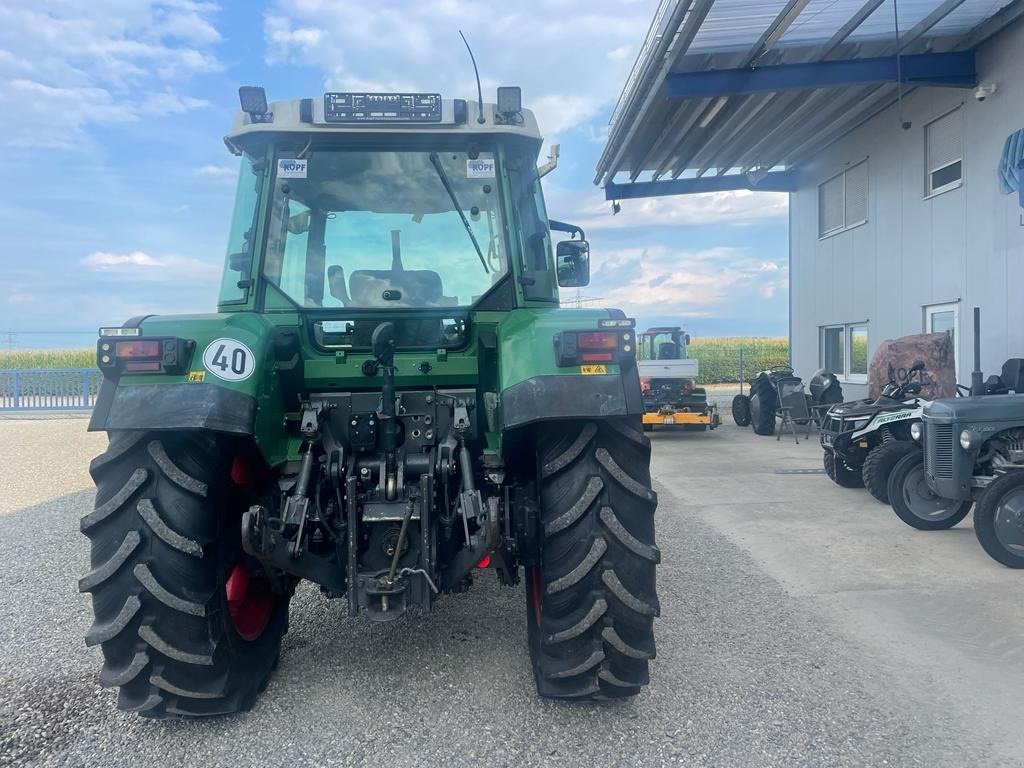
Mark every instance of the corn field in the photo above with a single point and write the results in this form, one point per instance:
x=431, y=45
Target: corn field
x=21, y=359
x=719, y=356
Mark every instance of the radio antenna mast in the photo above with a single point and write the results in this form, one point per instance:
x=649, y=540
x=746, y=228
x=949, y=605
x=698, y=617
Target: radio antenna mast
x=479, y=90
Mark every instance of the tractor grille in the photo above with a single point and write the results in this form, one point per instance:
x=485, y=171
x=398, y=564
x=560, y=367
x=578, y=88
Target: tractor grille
x=938, y=454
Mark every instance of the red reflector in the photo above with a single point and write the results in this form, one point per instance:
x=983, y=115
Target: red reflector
x=142, y=367
x=137, y=349
x=484, y=562
x=596, y=357
x=597, y=340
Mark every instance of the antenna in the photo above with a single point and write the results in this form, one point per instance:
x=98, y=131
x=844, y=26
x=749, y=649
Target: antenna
x=479, y=90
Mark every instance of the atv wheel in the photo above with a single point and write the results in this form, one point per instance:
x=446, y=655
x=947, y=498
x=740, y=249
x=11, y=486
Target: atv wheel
x=762, y=418
x=741, y=410
x=915, y=503
x=187, y=623
x=999, y=520
x=591, y=603
x=879, y=463
x=839, y=473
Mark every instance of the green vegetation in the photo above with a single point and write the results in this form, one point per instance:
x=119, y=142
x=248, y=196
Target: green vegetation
x=719, y=356
x=47, y=358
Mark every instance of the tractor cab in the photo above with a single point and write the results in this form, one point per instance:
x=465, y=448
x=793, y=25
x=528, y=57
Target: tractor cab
x=667, y=343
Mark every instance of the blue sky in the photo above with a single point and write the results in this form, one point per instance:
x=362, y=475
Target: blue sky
x=117, y=188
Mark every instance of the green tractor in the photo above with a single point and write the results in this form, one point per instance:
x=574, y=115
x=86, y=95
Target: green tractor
x=389, y=402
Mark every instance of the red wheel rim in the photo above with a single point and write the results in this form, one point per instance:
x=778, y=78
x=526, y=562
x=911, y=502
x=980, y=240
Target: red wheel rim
x=536, y=584
x=250, y=603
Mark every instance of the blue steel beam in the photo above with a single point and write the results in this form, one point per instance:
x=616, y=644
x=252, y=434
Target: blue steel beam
x=774, y=181
x=950, y=70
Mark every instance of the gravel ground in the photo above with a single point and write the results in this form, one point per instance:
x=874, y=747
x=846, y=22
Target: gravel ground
x=31, y=448
x=751, y=668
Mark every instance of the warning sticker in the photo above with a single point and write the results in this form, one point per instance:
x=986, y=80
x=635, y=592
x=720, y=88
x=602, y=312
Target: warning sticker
x=289, y=168
x=196, y=376
x=481, y=168
x=590, y=370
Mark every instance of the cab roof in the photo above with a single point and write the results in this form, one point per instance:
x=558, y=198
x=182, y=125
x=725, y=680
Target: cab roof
x=305, y=117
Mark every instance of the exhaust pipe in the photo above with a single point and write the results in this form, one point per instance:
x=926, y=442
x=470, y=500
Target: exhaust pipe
x=977, y=382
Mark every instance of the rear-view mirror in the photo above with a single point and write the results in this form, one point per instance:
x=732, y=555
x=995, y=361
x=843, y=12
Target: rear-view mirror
x=572, y=263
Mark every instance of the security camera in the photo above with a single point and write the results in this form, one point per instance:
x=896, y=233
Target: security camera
x=984, y=90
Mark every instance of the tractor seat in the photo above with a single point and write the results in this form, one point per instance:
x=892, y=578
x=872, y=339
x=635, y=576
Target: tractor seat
x=415, y=288
x=1011, y=378
x=668, y=351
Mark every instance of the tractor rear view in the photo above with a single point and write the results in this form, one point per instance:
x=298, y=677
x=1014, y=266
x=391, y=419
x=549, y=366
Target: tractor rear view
x=668, y=380
x=389, y=403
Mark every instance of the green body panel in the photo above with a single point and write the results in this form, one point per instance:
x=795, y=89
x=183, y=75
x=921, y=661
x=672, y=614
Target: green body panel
x=525, y=349
x=526, y=341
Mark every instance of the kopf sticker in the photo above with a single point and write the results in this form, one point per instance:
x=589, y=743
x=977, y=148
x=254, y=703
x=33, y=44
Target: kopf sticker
x=481, y=168
x=290, y=168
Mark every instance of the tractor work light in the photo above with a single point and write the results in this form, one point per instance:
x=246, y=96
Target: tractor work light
x=916, y=431
x=967, y=440
x=253, y=100
x=167, y=355
x=510, y=100
x=580, y=347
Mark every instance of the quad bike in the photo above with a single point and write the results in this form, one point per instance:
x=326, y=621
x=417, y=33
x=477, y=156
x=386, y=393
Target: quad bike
x=973, y=456
x=863, y=440
x=667, y=374
x=389, y=403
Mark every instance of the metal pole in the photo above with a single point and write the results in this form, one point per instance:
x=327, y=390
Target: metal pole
x=15, y=379
x=741, y=370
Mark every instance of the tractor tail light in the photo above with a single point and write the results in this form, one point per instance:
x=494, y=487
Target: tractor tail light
x=597, y=340
x=577, y=347
x=168, y=355
x=137, y=349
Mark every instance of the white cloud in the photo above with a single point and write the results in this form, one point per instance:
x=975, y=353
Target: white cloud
x=568, y=71
x=144, y=266
x=67, y=66
x=102, y=260
x=590, y=210
x=219, y=172
x=660, y=280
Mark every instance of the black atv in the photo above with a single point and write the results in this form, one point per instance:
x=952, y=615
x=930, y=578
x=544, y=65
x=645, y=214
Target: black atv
x=760, y=407
x=864, y=439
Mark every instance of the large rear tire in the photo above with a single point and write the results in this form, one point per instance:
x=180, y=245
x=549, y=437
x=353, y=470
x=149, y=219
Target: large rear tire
x=188, y=625
x=839, y=473
x=761, y=416
x=999, y=520
x=879, y=463
x=915, y=503
x=591, y=602
x=741, y=410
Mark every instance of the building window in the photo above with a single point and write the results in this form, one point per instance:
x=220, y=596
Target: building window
x=844, y=351
x=943, y=147
x=843, y=200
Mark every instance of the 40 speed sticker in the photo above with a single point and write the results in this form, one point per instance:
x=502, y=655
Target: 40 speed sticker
x=229, y=360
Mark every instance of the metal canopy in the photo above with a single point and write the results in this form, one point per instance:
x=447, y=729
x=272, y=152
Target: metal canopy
x=724, y=91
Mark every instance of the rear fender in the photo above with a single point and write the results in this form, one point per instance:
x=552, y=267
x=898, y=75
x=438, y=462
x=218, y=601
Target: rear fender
x=534, y=388
x=205, y=397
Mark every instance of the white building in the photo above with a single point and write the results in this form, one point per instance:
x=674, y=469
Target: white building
x=896, y=231
x=899, y=152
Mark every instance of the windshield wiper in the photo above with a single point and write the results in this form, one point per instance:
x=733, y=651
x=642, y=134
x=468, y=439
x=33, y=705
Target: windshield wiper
x=436, y=162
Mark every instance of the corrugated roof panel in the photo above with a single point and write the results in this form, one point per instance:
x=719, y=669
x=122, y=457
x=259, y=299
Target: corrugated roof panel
x=652, y=133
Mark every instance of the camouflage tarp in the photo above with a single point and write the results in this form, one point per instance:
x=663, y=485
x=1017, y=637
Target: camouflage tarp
x=935, y=350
